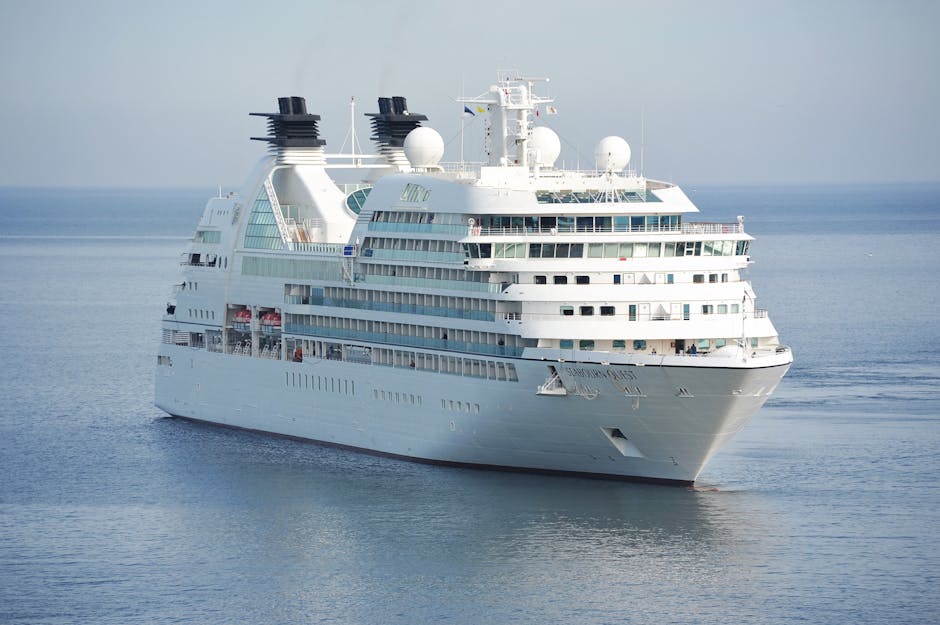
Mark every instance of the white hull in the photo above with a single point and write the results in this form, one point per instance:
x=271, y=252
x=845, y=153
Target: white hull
x=673, y=418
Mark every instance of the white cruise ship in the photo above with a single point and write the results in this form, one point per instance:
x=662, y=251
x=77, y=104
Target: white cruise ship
x=508, y=314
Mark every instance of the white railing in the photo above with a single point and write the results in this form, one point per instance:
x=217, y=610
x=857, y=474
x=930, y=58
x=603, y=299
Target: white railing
x=686, y=228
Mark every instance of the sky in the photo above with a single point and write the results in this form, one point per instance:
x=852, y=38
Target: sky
x=157, y=94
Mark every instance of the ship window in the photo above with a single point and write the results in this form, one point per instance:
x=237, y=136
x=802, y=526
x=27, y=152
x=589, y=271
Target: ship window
x=713, y=278
x=586, y=344
x=734, y=309
x=698, y=278
x=582, y=279
x=616, y=278
x=632, y=312
x=724, y=277
x=561, y=279
x=566, y=344
x=567, y=311
x=619, y=344
x=704, y=344
x=670, y=278
x=707, y=309
x=356, y=199
x=607, y=311
x=722, y=309
x=541, y=280
x=587, y=310
x=639, y=345
x=565, y=224
x=754, y=342
x=720, y=343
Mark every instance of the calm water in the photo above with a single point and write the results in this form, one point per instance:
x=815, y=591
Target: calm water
x=825, y=510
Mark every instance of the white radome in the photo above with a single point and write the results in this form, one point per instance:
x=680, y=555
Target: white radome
x=612, y=154
x=424, y=147
x=545, y=144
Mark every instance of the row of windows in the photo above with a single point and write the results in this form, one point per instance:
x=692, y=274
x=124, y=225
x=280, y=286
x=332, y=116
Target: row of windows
x=587, y=311
x=196, y=259
x=396, y=397
x=583, y=223
x=606, y=250
x=591, y=196
x=699, y=278
x=639, y=345
x=629, y=278
x=459, y=406
x=430, y=273
x=415, y=193
x=399, y=331
x=661, y=315
x=561, y=279
x=343, y=294
x=413, y=302
x=208, y=236
x=262, y=231
x=291, y=268
x=198, y=313
x=418, y=245
x=325, y=384
x=306, y=350
x=357, y=199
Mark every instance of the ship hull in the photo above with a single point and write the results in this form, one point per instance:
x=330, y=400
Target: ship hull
x=650, y=423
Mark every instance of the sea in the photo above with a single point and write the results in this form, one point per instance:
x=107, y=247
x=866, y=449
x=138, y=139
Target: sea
x=825, y=509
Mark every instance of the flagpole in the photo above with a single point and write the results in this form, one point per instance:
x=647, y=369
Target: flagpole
x=462, y=124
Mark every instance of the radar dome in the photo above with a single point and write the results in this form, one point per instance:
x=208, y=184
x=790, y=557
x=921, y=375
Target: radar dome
x=424, y=147
x=545, y=145
x=612, y=154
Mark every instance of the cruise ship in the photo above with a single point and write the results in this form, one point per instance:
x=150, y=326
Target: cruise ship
x=506, y=314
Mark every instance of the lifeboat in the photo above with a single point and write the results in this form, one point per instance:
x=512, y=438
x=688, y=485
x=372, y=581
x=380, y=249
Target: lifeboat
x=242, y=320
x=271, y=323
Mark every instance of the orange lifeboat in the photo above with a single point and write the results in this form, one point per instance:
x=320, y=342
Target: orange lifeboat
x=242, y=320
x=271, y=323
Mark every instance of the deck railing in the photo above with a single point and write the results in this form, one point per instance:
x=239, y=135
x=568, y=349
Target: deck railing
x=686, y=228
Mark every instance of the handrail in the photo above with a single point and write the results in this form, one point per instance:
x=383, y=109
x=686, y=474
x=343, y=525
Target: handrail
x=686, y=228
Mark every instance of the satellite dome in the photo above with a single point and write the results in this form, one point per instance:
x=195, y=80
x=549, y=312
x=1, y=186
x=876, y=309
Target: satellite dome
x=545, y=145
x=424, y=147
x=612, y=154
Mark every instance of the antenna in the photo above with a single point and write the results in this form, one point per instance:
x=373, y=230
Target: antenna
x=352, y=125
x=642, y=137
x=351, y=135
x=463, y=123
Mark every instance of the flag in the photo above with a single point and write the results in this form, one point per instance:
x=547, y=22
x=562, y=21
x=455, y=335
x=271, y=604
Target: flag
x=551, y=110
x=467, y=112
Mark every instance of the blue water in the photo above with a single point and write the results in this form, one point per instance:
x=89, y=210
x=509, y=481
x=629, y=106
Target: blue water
x=826, y=509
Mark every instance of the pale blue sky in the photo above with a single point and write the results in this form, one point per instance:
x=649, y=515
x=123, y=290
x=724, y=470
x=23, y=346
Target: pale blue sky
x=157, y=94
